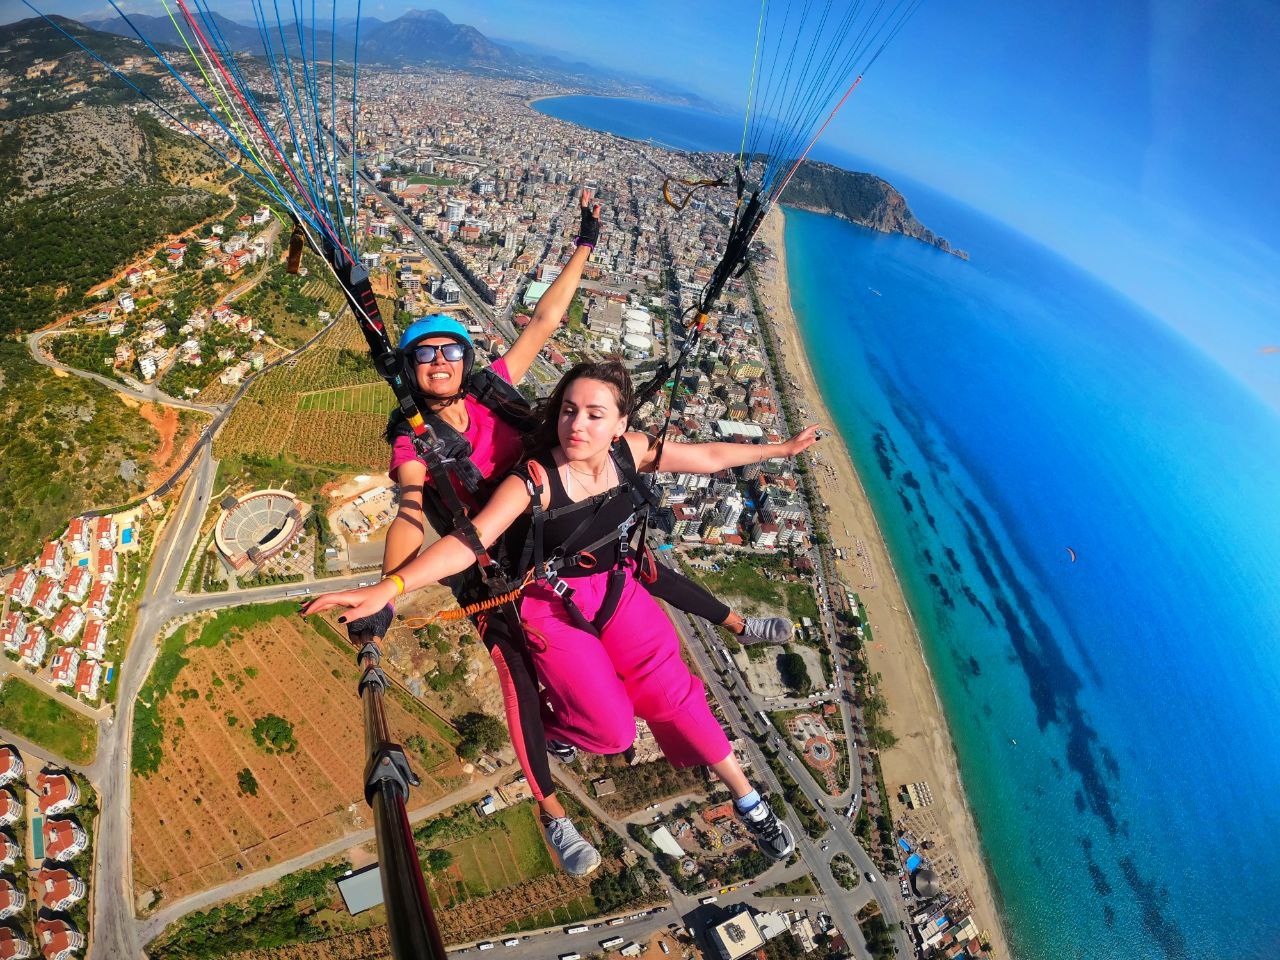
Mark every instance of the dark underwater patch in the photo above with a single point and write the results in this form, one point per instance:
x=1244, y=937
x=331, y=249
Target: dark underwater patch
x=951, y=558
x=1053, y=684
x=976, y=603
x=907, y=505
x=1101, y=885
x=943, y=593
x=975, y=667
x=1161, y=928
x=880, y=447
x=924, y=508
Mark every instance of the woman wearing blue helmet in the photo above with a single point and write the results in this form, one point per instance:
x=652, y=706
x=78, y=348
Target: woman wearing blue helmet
x=479, y=420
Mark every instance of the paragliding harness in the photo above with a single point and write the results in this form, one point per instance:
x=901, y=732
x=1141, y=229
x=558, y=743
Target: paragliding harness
x=547, y=568
x=424, y=431
x=450, y=455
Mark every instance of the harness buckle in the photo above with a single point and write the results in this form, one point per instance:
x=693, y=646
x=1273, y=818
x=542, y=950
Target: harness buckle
x=560, y=588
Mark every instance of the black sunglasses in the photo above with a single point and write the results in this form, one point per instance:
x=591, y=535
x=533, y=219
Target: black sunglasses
x=453, y=352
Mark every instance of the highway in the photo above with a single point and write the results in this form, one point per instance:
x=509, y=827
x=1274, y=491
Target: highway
x=736, y=700
x=115, y=931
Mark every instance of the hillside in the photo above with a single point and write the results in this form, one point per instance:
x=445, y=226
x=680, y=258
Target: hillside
x=82, y=191
x=862, y=198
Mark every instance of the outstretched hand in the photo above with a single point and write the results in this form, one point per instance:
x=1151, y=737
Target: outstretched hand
x=802, y=441
x=589, y=228
x=363, y=602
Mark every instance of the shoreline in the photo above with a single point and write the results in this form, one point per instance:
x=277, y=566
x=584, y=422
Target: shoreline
x=924, y=750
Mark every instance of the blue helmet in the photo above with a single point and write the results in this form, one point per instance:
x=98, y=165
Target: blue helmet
x=436, y=325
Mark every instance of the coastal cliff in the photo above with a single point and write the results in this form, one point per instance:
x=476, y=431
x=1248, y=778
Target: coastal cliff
x=861, y=198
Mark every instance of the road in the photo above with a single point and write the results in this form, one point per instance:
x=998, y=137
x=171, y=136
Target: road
x=154, y=925
x=840, y=837
x=146, y=393
x=115, y=933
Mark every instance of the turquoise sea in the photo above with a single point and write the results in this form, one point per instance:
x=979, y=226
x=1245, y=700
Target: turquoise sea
x=1004, y=410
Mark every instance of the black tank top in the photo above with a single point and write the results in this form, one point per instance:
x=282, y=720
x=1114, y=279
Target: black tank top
x=570, y=526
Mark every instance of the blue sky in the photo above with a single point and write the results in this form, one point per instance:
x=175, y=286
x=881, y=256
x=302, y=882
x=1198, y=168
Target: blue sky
x=1137, y=140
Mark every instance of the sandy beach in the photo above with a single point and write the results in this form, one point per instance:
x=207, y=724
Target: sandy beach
x=924, y=750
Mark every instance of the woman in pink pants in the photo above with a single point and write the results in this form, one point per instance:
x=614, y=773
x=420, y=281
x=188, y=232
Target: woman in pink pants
x=603, y=648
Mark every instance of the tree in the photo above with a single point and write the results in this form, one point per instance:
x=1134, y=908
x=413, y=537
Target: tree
x=794, y=673
x=437, y=859
x=480, y=732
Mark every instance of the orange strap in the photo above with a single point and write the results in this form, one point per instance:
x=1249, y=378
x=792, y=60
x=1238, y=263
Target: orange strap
x=417, y=623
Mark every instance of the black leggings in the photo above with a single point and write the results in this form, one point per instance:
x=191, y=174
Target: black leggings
x=518, y=677
x=683, y=594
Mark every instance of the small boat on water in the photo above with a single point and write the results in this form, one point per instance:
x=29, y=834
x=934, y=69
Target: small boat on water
x=875, y=291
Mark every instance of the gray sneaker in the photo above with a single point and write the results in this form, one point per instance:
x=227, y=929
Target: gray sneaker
x=577, y=857
x=766, y=630
x=566, y=753
x=773, y=837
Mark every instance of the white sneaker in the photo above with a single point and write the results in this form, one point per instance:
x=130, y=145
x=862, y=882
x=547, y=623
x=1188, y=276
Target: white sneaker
x=766, y=630
x=577, y=857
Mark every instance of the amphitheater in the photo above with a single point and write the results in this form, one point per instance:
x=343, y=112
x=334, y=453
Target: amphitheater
x=257, y=526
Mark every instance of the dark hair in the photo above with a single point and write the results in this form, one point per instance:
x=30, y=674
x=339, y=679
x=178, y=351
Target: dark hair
x=611, y=372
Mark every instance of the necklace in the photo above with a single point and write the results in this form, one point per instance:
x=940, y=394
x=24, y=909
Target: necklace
x=606, y=473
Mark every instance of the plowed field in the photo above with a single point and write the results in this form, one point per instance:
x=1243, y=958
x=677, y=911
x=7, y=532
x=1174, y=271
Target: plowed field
x=194, y=826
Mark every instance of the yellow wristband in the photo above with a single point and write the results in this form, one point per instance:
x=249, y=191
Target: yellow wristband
x=399, y=582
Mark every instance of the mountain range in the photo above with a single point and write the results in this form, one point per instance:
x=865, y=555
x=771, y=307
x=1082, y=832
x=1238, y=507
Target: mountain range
x=416, y=38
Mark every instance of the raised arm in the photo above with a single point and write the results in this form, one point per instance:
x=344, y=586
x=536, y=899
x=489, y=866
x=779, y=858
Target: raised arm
x=714, y=457
x=445, y=557
x=550, y=312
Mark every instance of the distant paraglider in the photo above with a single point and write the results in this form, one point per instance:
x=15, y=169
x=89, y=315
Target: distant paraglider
x=1071, y=553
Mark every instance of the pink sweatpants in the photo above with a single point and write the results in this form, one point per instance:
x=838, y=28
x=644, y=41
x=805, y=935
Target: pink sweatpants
x=597, y=686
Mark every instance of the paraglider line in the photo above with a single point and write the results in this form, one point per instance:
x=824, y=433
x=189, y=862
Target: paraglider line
x=283, y=200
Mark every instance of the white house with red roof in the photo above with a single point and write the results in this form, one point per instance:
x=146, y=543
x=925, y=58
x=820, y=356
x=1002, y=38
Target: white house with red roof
x=59, y=940
x=63, y=666
x=13, y=945
x=58, y=889
x=108, y=569
x=105, y=532
x=177, y=252
x=58, y=791
x=79, y=534
x=12, y=631
x=53, y=561
x=23, y=588
x=99, y=604
x=88, y=679
x=12, y=899
x=9, y=851
x=48, y=597
x=10, y=807
x=133, y=276
x=33, y=647
x=94, y=642
x=63, y=839
x=11, y=766
x=67, y=624
x=78, y=583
